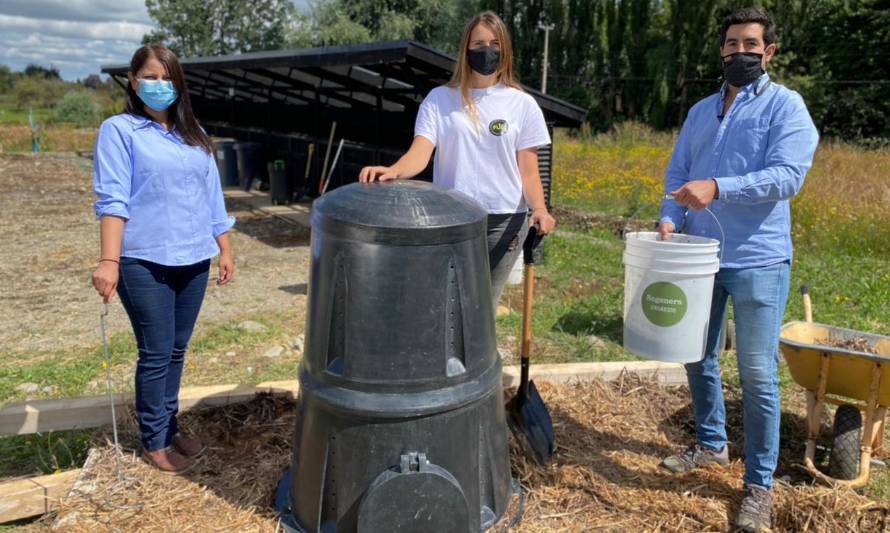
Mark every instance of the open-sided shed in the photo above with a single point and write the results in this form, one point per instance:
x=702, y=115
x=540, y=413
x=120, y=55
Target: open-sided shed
x=289, y=98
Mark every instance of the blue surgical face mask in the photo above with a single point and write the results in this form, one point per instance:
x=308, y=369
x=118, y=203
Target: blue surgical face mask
x=157, y=94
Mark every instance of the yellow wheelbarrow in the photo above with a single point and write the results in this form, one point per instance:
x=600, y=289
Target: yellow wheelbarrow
x=856, y=381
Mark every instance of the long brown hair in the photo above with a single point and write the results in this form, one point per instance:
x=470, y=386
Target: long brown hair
x=181, y=110
x=505, y=75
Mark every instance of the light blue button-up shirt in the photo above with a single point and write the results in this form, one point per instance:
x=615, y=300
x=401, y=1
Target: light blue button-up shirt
x=759, y=154
x=167, y=191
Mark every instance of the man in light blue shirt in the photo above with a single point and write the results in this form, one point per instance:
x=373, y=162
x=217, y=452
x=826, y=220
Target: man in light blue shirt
x=743, y=153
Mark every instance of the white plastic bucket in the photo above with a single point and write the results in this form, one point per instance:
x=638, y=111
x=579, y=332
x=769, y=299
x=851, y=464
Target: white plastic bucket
x=515, y=277
x=667, y=295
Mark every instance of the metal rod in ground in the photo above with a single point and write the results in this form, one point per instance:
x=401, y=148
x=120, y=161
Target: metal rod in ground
x=107, y=364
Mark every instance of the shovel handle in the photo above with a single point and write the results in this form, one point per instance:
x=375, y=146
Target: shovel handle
x=532, y=240
x=807, y=304
x=528, y=282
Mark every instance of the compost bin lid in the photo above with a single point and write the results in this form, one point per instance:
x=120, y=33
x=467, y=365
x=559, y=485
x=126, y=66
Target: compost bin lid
x=399, y=210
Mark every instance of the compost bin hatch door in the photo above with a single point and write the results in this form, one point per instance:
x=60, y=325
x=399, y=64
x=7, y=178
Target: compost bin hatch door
x=417, y=496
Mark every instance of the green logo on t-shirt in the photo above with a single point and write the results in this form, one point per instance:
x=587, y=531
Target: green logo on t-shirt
x=664, y=304
x=498, y=127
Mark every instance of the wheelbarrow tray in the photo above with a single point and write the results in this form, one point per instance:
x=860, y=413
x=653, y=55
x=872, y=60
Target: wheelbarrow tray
x=803, y=345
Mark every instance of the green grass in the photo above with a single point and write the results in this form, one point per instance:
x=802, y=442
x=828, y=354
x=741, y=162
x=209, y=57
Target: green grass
x=10, y=115
x=44, y=453
x=847, y=291
x=578, y=295
x=71, y=371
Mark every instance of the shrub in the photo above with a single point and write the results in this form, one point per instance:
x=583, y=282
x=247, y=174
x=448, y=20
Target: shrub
x=77, y=107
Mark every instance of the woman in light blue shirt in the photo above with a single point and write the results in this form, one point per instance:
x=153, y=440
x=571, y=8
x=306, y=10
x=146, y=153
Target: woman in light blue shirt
x=162, y=219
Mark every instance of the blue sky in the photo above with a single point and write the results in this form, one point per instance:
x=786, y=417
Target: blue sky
x=75, y=36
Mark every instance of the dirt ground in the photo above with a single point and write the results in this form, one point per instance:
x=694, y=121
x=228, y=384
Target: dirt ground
x=51, y=245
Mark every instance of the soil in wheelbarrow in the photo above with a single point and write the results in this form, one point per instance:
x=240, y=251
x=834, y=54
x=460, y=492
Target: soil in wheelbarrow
x=605, y=474
x=856, y=344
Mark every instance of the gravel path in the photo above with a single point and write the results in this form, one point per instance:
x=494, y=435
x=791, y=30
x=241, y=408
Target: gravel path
x=50, y=246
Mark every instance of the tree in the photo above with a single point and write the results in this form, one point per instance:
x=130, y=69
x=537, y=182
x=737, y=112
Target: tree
x=6, y=79
x=846, y=85
x=38, y=71
x=642, y=60
x=93, y=81
x=218, y=27
x=439, y=24
x=27, y=93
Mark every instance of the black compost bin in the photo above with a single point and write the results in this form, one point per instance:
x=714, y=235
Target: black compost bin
x=226, y=161
x=251, y=164
x=281, y=188
x=401, y=423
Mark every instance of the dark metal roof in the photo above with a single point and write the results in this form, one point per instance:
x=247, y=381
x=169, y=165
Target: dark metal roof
x=390, y=77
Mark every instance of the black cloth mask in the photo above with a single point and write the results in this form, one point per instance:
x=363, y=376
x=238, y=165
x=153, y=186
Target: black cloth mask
x=742, y=68
x=484, y=60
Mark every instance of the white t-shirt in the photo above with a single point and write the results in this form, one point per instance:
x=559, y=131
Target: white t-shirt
x=482, y=163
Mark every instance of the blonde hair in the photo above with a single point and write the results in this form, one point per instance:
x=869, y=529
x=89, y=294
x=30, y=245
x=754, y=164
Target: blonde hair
x=504, y=73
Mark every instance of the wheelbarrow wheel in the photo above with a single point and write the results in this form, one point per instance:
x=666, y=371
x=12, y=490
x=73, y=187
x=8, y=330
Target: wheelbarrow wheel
x=843, y=463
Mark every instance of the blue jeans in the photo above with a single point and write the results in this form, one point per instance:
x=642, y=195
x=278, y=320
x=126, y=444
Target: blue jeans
x=758, y=301
x=163, y=304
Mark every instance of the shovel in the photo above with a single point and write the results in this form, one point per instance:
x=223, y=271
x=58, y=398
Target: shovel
x=527, y=415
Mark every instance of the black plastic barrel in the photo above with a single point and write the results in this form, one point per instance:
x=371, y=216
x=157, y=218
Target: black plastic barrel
x=226, y=161
x=296, y=171
x=251, y=164
x=281, y=188
x=401, y=424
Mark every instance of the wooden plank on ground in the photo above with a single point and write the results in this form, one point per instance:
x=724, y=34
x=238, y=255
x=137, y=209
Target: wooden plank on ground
x=257, y=202
x=38, y=416
x=664, y=373
x=34, y=496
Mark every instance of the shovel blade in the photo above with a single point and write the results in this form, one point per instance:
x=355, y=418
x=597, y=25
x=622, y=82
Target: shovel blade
x=531, y=424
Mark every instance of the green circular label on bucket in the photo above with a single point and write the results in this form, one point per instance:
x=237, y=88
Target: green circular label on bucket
x=664, y=304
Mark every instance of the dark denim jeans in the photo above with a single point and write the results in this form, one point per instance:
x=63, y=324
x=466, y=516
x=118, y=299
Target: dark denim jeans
x=758, y=301
x=163, y=304
x=506, y=233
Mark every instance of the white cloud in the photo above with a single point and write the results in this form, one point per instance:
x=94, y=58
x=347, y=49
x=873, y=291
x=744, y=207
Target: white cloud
x=115, y=31
x=78, y=10
x=75, y=36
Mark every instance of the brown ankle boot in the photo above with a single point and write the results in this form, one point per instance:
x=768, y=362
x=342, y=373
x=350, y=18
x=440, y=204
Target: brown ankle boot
x=187, y=446
x=168, y=461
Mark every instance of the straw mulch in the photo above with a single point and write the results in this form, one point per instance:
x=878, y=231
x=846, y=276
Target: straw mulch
x=231, y=488
x=605, y=474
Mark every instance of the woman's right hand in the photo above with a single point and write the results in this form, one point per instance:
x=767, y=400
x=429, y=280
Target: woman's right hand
x=369, y=174
x=105, y=279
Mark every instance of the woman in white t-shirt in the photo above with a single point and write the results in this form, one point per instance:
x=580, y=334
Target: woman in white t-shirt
x=485, y=131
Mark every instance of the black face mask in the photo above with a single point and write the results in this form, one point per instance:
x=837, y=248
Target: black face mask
x=484, y=60
x=742, y=68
